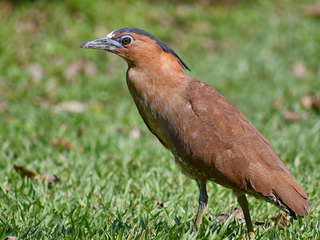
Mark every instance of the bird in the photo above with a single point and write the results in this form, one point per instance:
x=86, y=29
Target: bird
x=210, y=139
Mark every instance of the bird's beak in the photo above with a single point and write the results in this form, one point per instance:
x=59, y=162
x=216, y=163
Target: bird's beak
x=107, y=44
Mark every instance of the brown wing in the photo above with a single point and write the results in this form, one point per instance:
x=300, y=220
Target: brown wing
x=221, y=142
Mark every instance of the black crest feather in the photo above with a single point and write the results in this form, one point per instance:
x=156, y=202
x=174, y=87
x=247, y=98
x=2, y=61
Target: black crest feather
x=161, y=44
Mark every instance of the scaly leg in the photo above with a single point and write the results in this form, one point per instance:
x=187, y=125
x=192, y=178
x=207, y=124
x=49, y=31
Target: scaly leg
x=203, y=199
x=242, y=200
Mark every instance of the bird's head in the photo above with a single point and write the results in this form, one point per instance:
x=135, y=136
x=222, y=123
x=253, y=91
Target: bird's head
x=136, y=46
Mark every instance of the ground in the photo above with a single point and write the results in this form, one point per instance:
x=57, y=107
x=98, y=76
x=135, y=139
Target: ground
x=67, y=112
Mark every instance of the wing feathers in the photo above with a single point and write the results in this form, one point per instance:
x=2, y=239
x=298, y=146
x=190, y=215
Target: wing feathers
x=247, y=161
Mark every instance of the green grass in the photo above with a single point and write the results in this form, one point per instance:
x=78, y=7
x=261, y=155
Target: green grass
x=111, y=182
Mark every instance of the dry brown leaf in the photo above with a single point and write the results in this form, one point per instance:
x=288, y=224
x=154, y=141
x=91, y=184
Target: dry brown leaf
x=73, y=70
x=259, y=223
x=50, y=179
x=306, y=101
x=62, y=144
x=9, y=119
x=27, y=173
x=45, y=178
x=96, y=207
x=36, y=72
x=299, y=70
x=69, y=106
x=202, y=27
x=313, y=11
x=222, y=218
x=6, y=8
x=81, y=149
x=58, y=61
x=183, y=10
x=283, y=221
x=278, y=103
x=135, y=164
x=291, y=116
x=3, y=106
x=310, y=102
x=90, y=69
x=26, y=26
x=11, y=238
x=237, y=213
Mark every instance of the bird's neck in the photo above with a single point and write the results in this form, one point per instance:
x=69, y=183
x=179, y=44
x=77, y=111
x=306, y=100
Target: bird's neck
x=156, y=79
x=161, y=71
x=160, y=89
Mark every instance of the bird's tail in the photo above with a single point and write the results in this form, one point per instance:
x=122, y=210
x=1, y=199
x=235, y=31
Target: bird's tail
x=289, y=196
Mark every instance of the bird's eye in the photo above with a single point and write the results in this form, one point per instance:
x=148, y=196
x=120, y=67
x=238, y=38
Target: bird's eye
x=126, y=40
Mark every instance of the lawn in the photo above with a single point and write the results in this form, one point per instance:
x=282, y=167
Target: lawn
x=66, y=111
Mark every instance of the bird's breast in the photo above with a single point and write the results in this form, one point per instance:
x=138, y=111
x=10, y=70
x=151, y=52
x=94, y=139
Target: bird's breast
x=160, y=105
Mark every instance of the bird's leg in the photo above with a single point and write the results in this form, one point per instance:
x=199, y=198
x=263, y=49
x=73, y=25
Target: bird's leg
x=203, y=199
x=242, y=200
